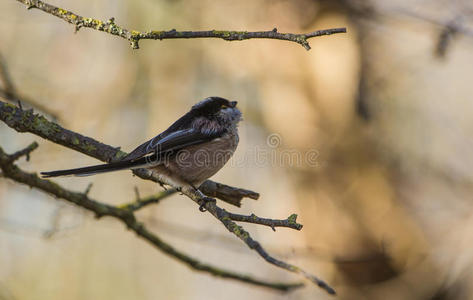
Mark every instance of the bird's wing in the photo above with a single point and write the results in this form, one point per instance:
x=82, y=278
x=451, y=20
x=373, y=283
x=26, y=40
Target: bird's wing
x=145, y=155
x=172, y=142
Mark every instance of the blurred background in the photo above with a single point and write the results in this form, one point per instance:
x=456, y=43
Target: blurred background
x=385, y=111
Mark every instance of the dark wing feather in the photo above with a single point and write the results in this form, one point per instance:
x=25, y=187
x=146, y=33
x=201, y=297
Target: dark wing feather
x=147, y=154
x=183, y=122
x=141, y=150
x=103, y=168
x=175, y=141
x=177, y=136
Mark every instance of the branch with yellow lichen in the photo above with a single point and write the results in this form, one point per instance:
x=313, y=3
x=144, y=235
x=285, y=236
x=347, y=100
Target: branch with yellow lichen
x=134, y=36
x=124, y=215
x=227, y=219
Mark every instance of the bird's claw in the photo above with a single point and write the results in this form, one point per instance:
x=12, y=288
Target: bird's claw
x=204, y=202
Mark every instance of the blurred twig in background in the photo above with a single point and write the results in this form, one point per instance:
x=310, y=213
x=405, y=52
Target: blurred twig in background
x=10, y=93
x=134, y=36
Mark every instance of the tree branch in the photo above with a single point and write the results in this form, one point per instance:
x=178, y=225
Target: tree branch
x=225, y=218
x=5, y=76
x=126, y=216
x=290, y=222
x=28, y=121
x=25, y=152
x=227, y=193
x=134, y=36
x=142, y=202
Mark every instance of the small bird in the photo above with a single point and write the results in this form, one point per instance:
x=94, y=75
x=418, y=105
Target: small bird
x=191, y=150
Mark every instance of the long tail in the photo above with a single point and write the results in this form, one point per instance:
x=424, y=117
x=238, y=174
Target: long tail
x=87, y=171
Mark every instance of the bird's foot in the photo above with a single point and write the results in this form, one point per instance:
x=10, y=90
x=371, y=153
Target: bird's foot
x=203, y=202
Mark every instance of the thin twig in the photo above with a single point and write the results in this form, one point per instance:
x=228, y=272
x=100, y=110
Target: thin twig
x=55, y=222
x=9, y=88
x=227, y=193
x=137, y=194
x=127, y=217
x=456, y=23
x=10, y=93
x=142, y=202
x=290, y=222
x=224, y=217
x=6, y=77
x=88, y=188
x=24, y=152
x=28, y=102
x=134, y=36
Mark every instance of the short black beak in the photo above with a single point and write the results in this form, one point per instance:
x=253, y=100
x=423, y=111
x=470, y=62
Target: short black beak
x=233, y=103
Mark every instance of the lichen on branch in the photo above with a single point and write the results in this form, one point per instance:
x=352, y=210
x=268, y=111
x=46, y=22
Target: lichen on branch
x=124, y=215
x=134, y=36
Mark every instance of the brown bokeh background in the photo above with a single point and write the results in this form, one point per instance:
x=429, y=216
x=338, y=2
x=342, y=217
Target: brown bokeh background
x=387, y=107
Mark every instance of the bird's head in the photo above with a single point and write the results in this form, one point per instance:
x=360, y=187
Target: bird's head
x=220, y=108
x=213, y=105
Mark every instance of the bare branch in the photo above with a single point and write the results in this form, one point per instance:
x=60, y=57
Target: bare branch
x=6, y=77
x=88, y=188
x=134, y=36
x=227, y=193
x=456, y=25
x=224, y=217
x=25, y=152
x=142, y=202
x=28, y=121
x=55, y=222
x=27, y=103
x=127, y=217
x=290, y=222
